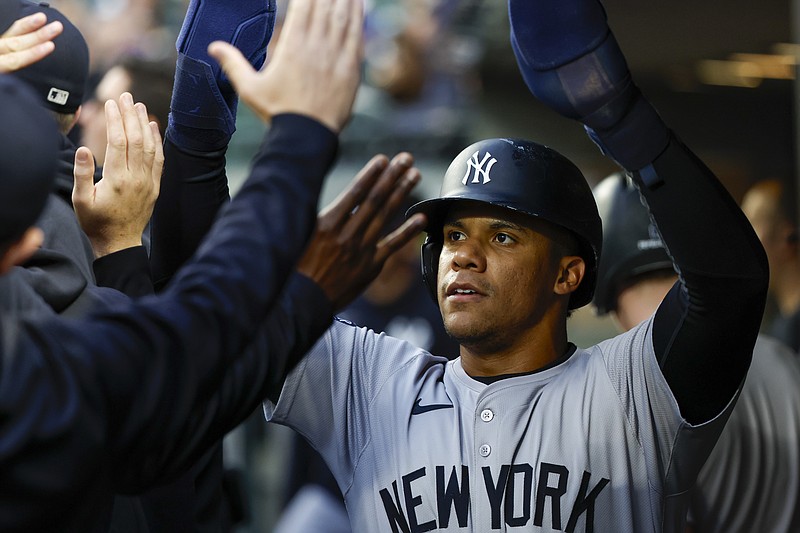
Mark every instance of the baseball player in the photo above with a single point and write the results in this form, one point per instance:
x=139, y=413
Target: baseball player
x=525, y=431
x=749, y=482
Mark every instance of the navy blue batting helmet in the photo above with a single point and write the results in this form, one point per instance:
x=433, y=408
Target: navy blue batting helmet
x=522, y=176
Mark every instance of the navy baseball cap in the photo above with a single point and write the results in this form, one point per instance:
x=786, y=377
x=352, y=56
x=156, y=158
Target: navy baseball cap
x=29, y=145
x=59, y=80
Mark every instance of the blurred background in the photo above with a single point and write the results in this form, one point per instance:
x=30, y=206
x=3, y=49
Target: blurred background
x=440, y=74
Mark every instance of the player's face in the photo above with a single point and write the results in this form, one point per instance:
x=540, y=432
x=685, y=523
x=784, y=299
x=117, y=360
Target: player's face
x=497, y=272
x=93, y=119
x=761, y=206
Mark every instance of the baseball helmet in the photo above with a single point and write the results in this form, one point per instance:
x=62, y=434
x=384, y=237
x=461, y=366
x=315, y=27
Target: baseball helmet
x=522, y=176
x=631, y=242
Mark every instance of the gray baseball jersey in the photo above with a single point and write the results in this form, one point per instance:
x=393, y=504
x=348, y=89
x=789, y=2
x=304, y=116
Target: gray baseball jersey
x=751, y=481
x=595, y=443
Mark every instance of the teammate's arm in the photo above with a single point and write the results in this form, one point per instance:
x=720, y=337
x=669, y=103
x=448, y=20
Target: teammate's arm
x=347, y=251
x=349, y=247
x=114, y=212
x=127, y=271
x=193, y=190
x=305, y=311
x=201, y=123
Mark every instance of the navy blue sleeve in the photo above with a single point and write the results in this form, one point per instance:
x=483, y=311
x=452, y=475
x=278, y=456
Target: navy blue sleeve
x=127, y=271
x=706, y=327
x=194, y=188
x=78, y=398
x=302, y=315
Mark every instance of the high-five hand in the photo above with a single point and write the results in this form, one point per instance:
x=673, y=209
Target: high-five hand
x=114, y=212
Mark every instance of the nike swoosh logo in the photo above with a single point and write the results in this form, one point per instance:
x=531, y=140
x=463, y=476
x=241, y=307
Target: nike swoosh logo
x=419, y=409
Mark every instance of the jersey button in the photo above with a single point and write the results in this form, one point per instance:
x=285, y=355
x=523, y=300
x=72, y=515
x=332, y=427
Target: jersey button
x=485, y=450
x=487, y=415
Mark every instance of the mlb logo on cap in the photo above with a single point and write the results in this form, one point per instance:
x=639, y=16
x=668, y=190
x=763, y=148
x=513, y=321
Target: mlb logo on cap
x=57, y=96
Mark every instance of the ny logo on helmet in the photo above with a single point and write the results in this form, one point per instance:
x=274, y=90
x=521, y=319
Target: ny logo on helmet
x=473, y=163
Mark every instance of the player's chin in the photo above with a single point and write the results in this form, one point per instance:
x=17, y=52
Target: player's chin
x=465, y=328
x=479, y=342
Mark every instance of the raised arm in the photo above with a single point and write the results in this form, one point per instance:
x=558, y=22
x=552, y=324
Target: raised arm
x=114, y=212
x=351, y=251
x=201, y=123
x=705, y=329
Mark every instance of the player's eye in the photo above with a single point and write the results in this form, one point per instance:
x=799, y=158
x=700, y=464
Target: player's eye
x=455, y=235
x=504, y=238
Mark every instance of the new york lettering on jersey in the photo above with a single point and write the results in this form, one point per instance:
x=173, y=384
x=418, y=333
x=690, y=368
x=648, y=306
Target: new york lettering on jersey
x=516, y=494
x=510, y=438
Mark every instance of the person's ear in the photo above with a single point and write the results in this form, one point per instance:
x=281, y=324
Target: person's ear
x=571, y=270
x=21, y=250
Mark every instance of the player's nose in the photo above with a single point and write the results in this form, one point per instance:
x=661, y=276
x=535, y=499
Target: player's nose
x=469, y=254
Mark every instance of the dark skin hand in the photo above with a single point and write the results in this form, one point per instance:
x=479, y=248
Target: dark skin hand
x=349, y=245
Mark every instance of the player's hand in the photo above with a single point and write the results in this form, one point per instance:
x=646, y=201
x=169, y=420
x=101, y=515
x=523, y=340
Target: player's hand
x=27, y=41
x=315, y=70
x=350, y=245
x=114, y=212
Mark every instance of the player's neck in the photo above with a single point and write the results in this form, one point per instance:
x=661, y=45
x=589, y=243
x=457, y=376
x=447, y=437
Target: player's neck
x=535, y=349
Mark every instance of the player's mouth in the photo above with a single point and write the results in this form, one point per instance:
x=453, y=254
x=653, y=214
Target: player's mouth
x=463, y=292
